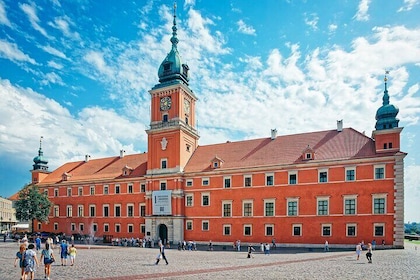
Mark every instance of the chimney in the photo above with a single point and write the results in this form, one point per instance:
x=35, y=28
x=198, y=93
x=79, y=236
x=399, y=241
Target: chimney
x=273, y=134
x=340, y=125
x=122, y=153
x=87, y=157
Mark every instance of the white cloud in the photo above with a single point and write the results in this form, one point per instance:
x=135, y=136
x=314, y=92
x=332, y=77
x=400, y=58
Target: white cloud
x=311, y=20
x=96, y=59
x=332, y=27
x=51, y=78
x=31, y=13
x=55, y=65
x=63, y=24
x=362, y=11
x=244, y=28
x=11, y=51
x=408, y=5
x=3, y=16
x=53, y=51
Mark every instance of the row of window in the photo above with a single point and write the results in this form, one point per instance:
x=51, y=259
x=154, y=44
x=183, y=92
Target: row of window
x=350, y=175
x=80, y=228
x=325, y=229
x=105, y=190
x=292, y=205
x=105, y=210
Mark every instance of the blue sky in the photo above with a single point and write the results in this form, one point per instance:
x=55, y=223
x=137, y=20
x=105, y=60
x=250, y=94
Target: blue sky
x=78, y=73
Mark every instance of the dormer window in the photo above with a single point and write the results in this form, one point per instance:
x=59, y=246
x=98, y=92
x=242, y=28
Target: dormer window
x=216, y=162
x=127, y=170
x=308, y=153
x=66, y=176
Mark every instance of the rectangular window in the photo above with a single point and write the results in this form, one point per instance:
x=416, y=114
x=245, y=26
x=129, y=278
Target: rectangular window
x=350, y=174
x=69, y=211
x=130, y=210
x=106, y=189
x=56, y=211
x=322, y=207
x=80, y=191
x=326, y=230
x=379, y=205
x=130, y=228
x=39, y=226
x=163, y=163
x=117, y=227
x=226, y=182
x=189, y=183
x=80, y=211
x=163, y=186
x=73, y=226
x=205, y=225
x=95, y=227
x=92, y=211
x=117, y=211
x=69, y=192
x=269, y=208
x=292, y=178
x=189, y=225
x=55, y=226
x=379, y=230
x=189, y=200
x=269, y=230
x=351, y=230
x=297, y=230
x=205, y=199
x=247, y=209
x=81, y=227
x=379, y=172
x=227, y=209
x=205, y=182
x=142, y=210
x=143, y=188
x=323, y=176
x=350, y=206
x=227, y=229
x=106, y=211
x=117, y=189
x=292, y=207
x=106, y=227
x=142, y=228
x=55, y=192
x=248, y=181
x=92, y=190
x=247, y=230
x=269, y=179
x=130, y=188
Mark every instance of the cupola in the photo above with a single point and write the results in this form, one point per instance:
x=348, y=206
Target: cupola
x=386, y=116
x=40, y=162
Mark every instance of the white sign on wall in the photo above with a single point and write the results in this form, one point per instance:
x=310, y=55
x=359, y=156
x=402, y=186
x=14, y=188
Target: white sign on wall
x=162, y=202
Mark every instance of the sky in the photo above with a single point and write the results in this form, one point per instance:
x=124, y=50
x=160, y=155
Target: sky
x=78, y=72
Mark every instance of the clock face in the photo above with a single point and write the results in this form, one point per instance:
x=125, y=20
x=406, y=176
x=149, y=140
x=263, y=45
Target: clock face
x=165, y=103
x=187, y=106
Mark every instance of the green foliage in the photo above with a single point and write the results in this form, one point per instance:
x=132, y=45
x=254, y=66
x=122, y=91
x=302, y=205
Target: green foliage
x=32, y=205
x=413, y=228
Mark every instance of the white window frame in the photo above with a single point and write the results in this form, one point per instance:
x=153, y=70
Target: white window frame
x=379, y=225
x=189, y=183
x=189, y=222
x=296, y=226
x=292, y=173
x=105, y=189
x=244, y=228
x=322, y=230
x=128, y=228
x=132, y=207
x=202, y=199
x=348, y=197
x=355, y=229
x=164, y=160
x=189, y=195
x=80, y=191
x=116, y=227
x=319, y=175
x=350, y=168
x=117, y=189
x=103, y=210
x=90, y=210
x=379, y=196
x=230, y=229
x=56, y=210
x=69, y=211
x=323, y=198
x=140, y=206
x=163, y=182
x=92, y=190
x=246, y=201
x=265, y=229
x=115, y=210
x=130, y=188
x=292, y=199
x=374, y=171
x=106, y=227
x=266, y=179
x=56, y=193
x=203, y=180
x=208, y=225
x=69, y=192
x=227, y=179
x=247, y=177
x=80, y=210
x=81, y=227
x=226, y=202
x=73, y=226
x=270, y=200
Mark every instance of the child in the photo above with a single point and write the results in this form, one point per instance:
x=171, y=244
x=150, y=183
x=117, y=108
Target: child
x=72, y=253
x=19, y=256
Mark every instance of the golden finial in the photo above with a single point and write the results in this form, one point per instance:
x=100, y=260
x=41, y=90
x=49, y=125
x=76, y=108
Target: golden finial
x=386, y=73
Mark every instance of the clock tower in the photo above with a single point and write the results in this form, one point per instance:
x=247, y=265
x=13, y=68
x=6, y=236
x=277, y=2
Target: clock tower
x=172, y=139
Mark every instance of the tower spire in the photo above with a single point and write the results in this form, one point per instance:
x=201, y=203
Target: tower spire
x=174, y=38
x=385, y=98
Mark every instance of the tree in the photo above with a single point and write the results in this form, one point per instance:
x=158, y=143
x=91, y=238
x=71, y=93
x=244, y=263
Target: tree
x=32, y=205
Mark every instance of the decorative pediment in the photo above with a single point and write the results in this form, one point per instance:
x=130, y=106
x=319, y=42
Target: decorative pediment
x=127, y=170
x=308, y=153
x=217, y=162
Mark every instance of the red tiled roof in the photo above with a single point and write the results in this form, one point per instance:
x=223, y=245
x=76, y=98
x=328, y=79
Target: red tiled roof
x=328, y=145
x=102, y=168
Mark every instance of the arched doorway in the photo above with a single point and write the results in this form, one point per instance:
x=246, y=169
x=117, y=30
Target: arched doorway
x=163, y=233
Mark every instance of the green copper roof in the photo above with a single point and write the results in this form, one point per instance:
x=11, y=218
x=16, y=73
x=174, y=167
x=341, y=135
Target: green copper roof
x=386, y=115
x=172, y=70
x=40, y=162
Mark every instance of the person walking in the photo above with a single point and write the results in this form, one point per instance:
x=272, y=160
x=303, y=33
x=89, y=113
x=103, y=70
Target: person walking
x=267, y=249
x=369, y=253
x=161, y=254
x=19, y=257
x=38, y=243
x=47, y=257
x=72, y=253
x=326, y=246
x=250, y=250
x=358, y=250
x=30, y=262
x=64, y=249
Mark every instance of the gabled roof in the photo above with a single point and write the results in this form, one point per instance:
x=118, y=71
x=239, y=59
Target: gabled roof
x=97, y=169
x=328, y=145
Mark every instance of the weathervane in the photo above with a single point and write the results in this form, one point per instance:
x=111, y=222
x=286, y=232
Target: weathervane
x=386, y=73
